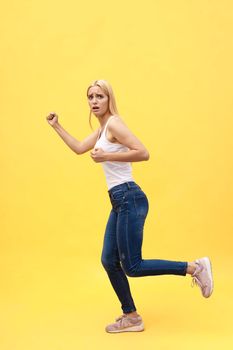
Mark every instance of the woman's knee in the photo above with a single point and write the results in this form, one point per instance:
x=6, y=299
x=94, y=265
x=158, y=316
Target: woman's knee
x=130, y=271
x=109, y=264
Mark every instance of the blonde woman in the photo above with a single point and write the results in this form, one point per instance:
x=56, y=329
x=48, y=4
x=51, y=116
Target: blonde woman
x=115, y=147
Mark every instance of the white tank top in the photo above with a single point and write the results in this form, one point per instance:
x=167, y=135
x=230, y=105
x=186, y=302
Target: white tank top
x=116, y=172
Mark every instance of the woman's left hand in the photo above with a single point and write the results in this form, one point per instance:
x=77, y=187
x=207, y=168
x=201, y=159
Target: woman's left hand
x=98, y=155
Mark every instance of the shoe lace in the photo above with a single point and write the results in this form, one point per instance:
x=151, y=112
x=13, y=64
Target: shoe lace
x=120, y=318
x=195, y=282
x=195, y=279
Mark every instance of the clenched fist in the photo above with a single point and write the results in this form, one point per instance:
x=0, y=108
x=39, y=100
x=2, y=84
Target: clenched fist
x=52, y=118
x=98, y=155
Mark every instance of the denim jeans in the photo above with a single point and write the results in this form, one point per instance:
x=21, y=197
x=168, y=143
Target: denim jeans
x=121, y=254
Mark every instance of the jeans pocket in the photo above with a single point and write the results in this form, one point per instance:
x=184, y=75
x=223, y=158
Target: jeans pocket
x=141, y=204
x=118, y=195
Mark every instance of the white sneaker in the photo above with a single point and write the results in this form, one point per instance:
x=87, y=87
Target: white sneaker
x=203, y=276
x=125, y=323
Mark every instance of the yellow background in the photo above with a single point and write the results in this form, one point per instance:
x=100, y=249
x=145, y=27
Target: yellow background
x=170, y=65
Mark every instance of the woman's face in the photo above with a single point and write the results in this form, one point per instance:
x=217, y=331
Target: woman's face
x=98, y=101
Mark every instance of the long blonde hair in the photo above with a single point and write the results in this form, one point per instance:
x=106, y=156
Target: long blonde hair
x=107, y=89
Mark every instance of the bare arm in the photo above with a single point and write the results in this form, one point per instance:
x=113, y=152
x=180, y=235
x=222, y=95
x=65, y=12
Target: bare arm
x=77, y=146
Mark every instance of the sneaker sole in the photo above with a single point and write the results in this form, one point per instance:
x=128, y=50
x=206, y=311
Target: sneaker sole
x=139, y=328
x=207, y=264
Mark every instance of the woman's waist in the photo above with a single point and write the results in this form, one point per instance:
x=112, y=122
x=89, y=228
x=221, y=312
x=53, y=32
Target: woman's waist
x=125, y=186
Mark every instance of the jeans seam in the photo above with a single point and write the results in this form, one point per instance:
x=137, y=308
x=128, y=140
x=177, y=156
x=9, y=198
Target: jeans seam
x=135, y=206
x=127, y=238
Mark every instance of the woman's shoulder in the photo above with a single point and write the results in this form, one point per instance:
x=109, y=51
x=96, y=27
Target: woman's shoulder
x=117, y=125
x=117, y=121
x=116, y=118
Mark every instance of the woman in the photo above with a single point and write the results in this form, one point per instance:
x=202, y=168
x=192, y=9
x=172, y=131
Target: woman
x=115, y=146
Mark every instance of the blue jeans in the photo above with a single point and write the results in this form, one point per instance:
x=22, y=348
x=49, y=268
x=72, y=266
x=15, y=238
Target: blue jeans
x=123, y=238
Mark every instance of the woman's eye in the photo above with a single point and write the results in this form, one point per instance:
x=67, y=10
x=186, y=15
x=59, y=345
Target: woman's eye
x=90, y=97
x=100, y=96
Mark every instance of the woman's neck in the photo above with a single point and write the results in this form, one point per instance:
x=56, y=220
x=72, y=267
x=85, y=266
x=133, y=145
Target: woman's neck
x=103, y=120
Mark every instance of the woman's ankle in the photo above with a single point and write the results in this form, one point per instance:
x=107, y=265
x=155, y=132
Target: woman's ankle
x=132, y=314
x=191, y=268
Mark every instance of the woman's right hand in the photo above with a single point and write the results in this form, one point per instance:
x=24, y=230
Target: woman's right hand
x=52, y=118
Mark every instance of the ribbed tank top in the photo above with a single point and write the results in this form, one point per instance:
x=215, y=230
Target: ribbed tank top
x=116, y=173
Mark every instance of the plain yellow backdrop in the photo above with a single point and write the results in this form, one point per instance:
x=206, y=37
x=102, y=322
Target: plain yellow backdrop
x=170, y=65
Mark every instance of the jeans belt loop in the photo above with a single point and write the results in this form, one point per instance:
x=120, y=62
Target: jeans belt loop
x=128, y=185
